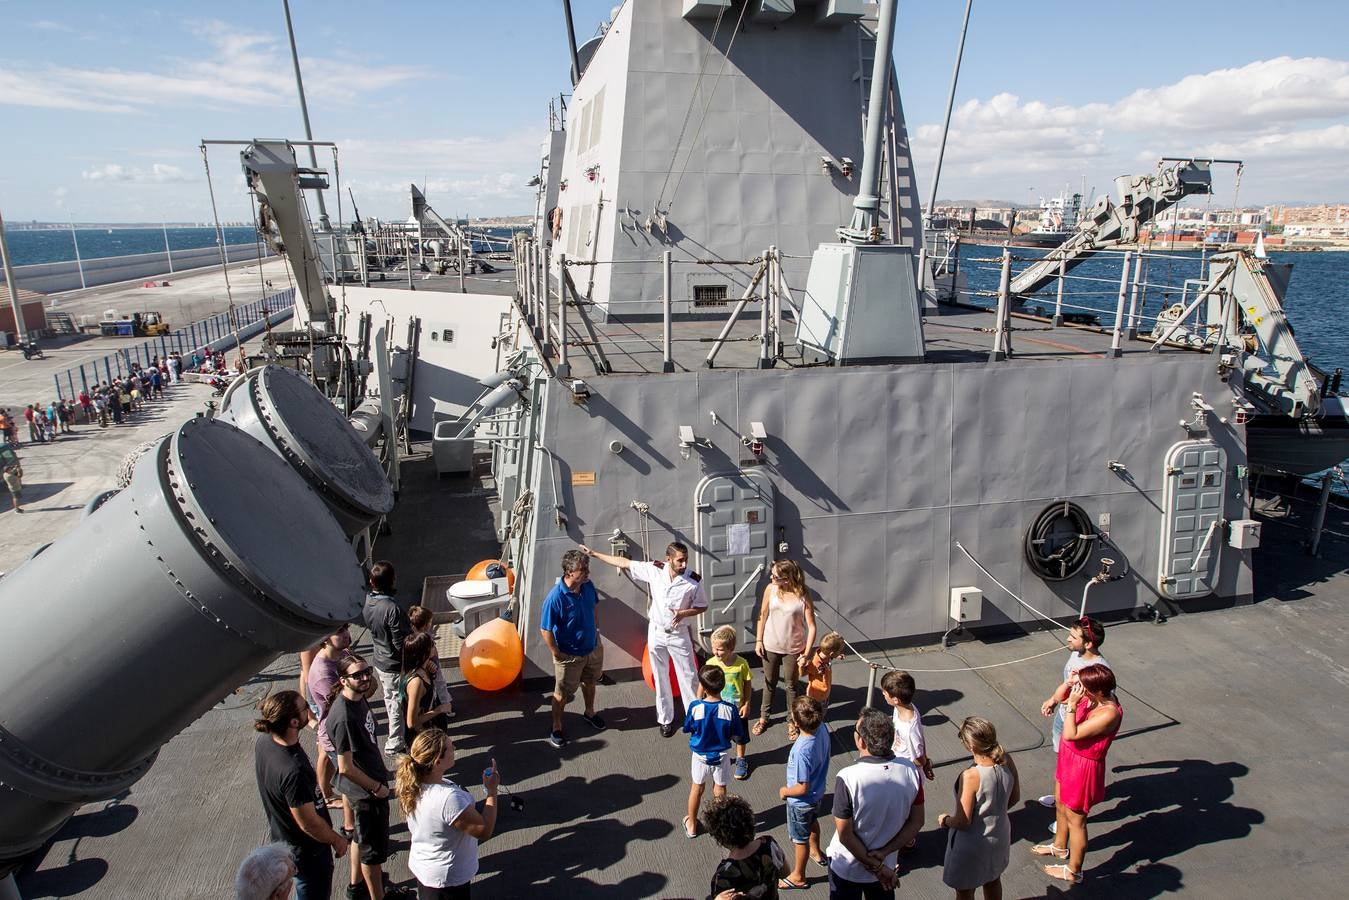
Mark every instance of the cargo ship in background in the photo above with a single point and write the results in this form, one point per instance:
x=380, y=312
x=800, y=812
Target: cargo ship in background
x=1058, y=219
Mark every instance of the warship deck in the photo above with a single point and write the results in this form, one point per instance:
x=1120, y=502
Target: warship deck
x=951, y=334
x=1228, y=779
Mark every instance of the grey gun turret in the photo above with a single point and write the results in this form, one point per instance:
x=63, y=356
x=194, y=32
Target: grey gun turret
x=1108, y=224
x=215, y=559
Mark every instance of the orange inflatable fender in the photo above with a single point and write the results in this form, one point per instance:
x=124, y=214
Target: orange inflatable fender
x=492, y=656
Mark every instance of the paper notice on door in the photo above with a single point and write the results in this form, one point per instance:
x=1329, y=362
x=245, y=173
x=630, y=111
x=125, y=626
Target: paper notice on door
x=737, y=539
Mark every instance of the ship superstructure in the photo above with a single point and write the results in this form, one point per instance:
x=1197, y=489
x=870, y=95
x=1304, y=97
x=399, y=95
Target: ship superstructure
x=715, y=130
x=927, y=473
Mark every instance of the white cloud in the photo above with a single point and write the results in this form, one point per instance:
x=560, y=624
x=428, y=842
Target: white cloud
x=1261, y=95
x=159, y=173
x=1272, y=114
x=25, y=89
x=241, y=69
x=476, y=174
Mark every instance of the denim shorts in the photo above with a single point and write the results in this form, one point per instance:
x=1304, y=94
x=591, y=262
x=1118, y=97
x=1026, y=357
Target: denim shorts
x=799, y=820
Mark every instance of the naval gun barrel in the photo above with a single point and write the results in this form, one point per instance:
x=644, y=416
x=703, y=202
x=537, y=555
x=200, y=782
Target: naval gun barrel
x=282, y=409
x=213, y=561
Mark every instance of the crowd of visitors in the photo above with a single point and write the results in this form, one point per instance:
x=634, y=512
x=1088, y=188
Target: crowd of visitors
x=878, y=801
x=115, y=402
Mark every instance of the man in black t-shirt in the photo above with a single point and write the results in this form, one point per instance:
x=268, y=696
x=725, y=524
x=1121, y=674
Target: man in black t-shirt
x=363, y=780
x=290, y=798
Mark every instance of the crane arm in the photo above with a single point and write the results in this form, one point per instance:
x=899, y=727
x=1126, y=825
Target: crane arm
x=276, y=180
x=1107, y=223
x=1281, y=375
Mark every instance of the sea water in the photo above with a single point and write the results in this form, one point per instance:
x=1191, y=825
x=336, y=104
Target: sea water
x=1317, y=300
x=57, y=245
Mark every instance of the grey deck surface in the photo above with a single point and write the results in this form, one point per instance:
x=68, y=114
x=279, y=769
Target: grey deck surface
x=1228, y=781
x=951, y=335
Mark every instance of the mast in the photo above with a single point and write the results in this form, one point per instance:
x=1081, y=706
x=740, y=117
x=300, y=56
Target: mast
x=946, y=125
x=941, y=152
x=571, y=44
x=20, y=333
x=324, y=224
x=867, y=207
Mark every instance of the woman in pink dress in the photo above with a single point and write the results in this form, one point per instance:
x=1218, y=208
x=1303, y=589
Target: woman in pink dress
x=1092, y=721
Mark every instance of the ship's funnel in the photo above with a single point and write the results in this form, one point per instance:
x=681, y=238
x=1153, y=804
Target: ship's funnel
x=283, y=410
x=211, y=563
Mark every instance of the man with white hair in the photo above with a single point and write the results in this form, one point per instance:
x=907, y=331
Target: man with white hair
x=266, y=873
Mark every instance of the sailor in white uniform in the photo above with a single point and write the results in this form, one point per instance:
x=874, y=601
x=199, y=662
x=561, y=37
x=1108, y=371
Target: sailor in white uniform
x=676, y=599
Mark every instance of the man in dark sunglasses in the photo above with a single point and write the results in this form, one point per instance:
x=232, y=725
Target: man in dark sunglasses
x=361, y=775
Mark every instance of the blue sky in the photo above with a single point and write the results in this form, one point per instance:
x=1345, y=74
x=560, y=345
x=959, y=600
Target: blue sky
x=103, y=105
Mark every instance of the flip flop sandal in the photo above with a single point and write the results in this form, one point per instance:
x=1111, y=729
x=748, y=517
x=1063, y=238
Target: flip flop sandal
x=785, y=885
x=821, y=861
x=688, y=829
x=1063, y=873
x=792, y=732
x=759, y=727
x=1050, y=850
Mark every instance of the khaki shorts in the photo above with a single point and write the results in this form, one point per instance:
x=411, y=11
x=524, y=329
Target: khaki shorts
x=571, y=671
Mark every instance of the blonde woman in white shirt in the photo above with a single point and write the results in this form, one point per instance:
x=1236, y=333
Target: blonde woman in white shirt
x=445, y=824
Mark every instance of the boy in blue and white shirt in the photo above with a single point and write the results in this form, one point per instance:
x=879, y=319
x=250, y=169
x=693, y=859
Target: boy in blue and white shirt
x=712, y=724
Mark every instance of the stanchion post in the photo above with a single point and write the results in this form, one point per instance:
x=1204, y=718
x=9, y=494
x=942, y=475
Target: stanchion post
x=1118, y=332
x=667, y=302
x=1000, y=327
x=1058, y=299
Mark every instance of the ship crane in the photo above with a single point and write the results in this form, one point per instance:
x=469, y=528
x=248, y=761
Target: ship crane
x=276, y=180
x=1245, y=294
x=1108, y=224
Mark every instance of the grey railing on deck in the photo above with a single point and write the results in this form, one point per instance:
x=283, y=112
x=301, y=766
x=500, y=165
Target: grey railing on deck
x=217, y=332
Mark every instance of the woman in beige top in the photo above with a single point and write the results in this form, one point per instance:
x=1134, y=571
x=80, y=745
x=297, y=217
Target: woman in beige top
x=786, y=631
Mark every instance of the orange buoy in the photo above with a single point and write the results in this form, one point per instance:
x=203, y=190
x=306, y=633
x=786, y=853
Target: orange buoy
x=492, y=655
x=650, y=679
x=479, y=572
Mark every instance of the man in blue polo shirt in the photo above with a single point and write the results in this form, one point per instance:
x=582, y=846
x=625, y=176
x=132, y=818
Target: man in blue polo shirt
x=572, y=634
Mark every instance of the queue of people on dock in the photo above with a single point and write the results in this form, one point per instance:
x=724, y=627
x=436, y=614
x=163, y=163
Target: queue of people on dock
x=878, y=804
x=113, y=402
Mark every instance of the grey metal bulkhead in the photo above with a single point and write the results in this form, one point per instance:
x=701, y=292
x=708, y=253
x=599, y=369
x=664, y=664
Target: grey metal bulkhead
x=733, y=530
x=1192, y=519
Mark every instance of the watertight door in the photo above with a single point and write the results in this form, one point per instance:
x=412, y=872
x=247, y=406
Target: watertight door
x=1192, y=505
x=733, y=530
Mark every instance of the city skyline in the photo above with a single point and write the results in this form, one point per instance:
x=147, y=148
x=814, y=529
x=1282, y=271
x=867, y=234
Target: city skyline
x=108, y=107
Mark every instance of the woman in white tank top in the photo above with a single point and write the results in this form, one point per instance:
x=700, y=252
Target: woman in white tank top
x=786, y=631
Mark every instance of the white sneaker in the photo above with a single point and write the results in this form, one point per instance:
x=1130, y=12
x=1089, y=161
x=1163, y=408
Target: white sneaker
x=1047, y=800
x=1053, y=827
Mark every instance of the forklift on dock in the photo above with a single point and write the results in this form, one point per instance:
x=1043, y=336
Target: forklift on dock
x=141, y=324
